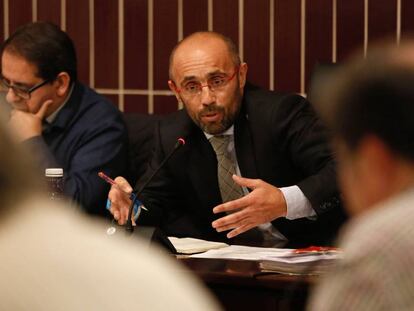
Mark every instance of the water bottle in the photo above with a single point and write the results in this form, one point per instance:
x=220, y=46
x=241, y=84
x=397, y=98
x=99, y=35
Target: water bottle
x=54, y=181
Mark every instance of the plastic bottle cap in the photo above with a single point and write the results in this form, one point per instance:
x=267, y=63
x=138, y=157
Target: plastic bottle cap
x=54, y=172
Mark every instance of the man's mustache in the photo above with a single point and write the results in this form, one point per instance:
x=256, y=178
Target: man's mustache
x=211, y=108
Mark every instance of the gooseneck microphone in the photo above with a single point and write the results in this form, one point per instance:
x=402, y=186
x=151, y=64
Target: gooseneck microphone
x=129, y=227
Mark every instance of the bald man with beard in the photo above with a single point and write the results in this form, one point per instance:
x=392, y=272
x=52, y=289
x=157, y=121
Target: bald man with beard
x=282, y=167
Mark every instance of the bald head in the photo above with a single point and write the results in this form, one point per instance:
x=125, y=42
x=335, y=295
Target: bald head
x=204, y=41
x=206, y=76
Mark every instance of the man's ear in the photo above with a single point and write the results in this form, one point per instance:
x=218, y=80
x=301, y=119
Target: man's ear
x=375, y=156
x=242, y=74
x=377, y=167
x=62, y=83
x=173, y=88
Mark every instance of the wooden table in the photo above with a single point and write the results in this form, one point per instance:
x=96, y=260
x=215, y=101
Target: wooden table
x=241, y=285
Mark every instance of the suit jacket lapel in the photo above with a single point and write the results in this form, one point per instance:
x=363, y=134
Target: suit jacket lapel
x=202, y=169
x=244, y=146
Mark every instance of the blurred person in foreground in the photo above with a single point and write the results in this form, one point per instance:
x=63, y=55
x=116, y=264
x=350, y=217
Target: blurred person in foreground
x=256, y=164
x=369, y=105
x=55, y=258
x=62, y=122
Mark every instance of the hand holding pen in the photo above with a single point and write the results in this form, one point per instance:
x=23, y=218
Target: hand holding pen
x=109, y=180
x=116, y=207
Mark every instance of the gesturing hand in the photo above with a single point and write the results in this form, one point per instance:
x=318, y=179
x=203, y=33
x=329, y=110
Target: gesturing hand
x=264, y=204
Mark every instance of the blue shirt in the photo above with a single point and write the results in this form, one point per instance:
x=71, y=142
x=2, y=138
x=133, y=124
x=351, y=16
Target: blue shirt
x=88, y=135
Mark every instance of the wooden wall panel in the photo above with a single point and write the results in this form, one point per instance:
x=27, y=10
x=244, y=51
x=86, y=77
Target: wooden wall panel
x=318, y=45
x=165, y=38
x=287, y=45
x=106, y=43
x=256, y=41
x=165, y=29
x=136, y=44
x=382, y=20
x=194, y=16
x=1, y=21
x=49, y=11
x=225, y=18
x=407, y=18
x=136, y=104
x=20, y=12
x=165, y=104
x=350, y=27
x=265, y=45
x=77, y=26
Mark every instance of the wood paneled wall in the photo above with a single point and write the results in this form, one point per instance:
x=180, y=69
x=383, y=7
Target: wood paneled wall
x=123, y=45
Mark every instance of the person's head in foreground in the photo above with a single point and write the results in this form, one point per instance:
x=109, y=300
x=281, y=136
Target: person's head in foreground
x=369, y=106
x=17, y=180
x=54, y=258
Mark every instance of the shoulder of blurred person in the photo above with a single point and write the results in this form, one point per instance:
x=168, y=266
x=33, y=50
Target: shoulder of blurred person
x=376, y=271
x=368, y=105
x=3, y=102
x=54, y=258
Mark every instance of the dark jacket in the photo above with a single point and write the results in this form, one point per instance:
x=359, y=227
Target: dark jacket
x=87, y=136
x=278, y=139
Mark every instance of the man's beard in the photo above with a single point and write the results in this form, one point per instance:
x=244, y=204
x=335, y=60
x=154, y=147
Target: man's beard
x=228, y=116
x=215, y=128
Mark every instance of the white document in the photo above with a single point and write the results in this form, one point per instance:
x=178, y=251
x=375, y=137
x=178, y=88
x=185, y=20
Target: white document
x=192, y=246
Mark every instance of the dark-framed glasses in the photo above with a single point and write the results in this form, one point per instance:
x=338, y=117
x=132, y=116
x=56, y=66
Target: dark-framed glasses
x=21, y=91
x=215, y=83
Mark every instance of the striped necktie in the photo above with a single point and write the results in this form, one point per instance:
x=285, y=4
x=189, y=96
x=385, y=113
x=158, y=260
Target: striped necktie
x=225, y=169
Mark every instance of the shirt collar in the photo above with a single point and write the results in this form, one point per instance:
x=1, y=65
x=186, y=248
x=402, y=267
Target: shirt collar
x=229, y=131
x=53, y=116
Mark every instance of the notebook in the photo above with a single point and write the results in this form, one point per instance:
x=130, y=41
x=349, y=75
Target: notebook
x=193, y=246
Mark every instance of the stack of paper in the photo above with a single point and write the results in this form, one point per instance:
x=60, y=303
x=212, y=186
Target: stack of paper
x=315, y=262
x=282, y=260
x=193, y=246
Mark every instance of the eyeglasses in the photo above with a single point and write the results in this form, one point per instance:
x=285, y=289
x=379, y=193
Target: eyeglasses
x=20, y=91
x=215, y=83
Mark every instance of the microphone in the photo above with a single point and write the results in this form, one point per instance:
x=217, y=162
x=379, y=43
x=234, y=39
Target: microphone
x=128, y=226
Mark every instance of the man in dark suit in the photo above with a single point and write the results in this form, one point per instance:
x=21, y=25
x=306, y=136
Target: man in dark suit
x=288, y=189
x=62, y=122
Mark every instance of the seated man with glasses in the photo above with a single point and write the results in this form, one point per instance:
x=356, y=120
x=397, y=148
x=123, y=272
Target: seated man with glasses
x=63, y=122
x=255, y=164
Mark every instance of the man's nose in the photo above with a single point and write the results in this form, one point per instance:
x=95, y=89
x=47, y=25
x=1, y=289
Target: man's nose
x=207, y=96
